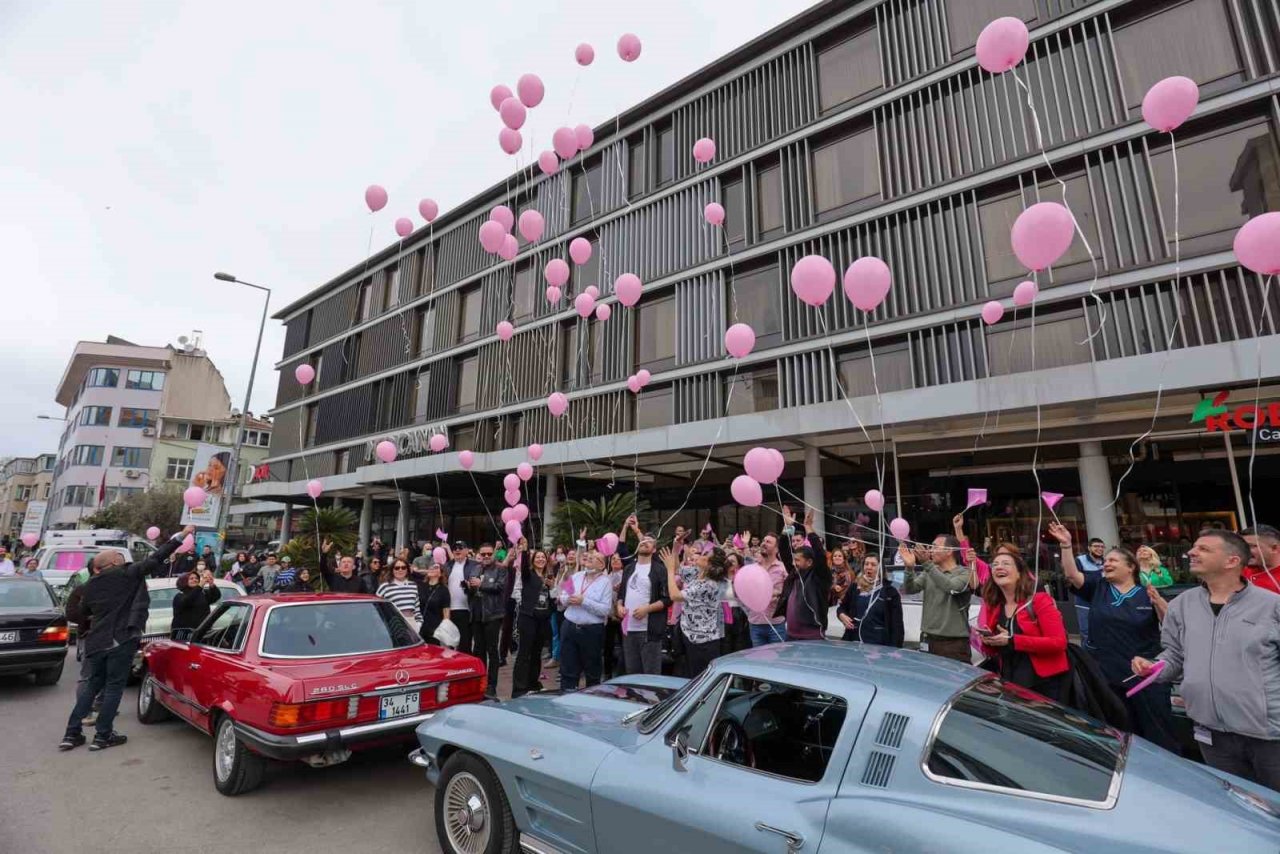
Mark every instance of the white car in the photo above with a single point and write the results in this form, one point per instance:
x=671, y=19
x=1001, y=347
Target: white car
x=160, y=617
x=58, y=563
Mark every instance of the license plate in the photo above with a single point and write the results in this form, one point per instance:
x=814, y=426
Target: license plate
x=8, y=637
x=399, y=705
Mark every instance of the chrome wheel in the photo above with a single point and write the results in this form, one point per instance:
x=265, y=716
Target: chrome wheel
x=224, y=750
x=146, y=693
x=466, y=814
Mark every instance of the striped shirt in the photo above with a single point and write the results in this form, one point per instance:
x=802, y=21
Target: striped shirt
x=402, y=594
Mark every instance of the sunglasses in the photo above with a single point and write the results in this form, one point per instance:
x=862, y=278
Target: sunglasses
x=399, y=567
x=486, y=554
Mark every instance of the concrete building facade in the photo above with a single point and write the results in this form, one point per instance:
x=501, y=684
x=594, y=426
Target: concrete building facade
x=22, y=480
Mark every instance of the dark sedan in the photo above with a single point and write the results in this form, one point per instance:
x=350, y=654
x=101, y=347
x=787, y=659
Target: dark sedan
x=33, y=630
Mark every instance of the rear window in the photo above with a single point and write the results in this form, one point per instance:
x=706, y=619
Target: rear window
x=335, y=628
x=1003, y=736
x=19, y=595
x=73, y=560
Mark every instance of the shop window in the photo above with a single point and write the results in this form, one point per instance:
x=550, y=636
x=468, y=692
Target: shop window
x=846, y=172
x=1188, y=40
x=468, y=381
x=655, y=334
x=1058, y=340
x=637, y=167
x=756, y=296
x=524, y=292
x=769, y=221
x=751, y=391
x=848, y=69
x=654, y=408
x=892, y=369
x=733, y=199
x=966, y=18
x=469, y=316
x=665, y=156
x=588, y=191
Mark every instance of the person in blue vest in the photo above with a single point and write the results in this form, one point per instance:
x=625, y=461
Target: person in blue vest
x=1089, y=563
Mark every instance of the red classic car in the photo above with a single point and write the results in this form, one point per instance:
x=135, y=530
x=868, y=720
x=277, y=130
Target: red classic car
x=307, y=677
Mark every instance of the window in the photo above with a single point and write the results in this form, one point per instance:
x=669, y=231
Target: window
x=524, y=292
x=846, y=171
x=588, y=192
x=892, y=369
x=734, y=201
x=568, y=354
x=23, y=493
x=1189, y=40
x=1005, y=737
x=86, y=455
x=751, y=391
x=655, y=334
x=350, y=358
x=756, y=294
x=595, y=352
x=468, y=380
x=469, y=316
x=194, y=432
x=697, y=721
x=848, y=69
x=145, y=380
x=227, y=627
x=179, y=468
x=364, y=302
x=349, y=628
x=464, y=438
x=384, y=404
x=112, y=494
x=341, y=461
x=966, y=18
x=637, y=167
x=426, y=326
x=588, y=273
x=665, y=156
x=131, y=458
x=1058, y=340
x=103, y=378
x=130, y=417
x=309, y=426
x=79, y=496
x=95, y=416
x=769, y=201
x=393, y=289
x=421, y=397
x=654, y=408
x=257, y=438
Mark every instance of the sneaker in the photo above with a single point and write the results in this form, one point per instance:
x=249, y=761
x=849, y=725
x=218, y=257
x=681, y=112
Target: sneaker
x=111, y=739
x=71, y=741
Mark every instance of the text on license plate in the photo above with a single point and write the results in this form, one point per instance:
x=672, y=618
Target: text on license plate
x=399, y=705
x=8, y=637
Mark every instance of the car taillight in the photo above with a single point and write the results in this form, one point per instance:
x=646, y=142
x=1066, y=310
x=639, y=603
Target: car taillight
x=460, y=691
x=285, y=715
x=55, y=634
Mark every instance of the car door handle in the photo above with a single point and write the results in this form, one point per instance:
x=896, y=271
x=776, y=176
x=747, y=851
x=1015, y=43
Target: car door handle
x=194, y=666
x=794, y=840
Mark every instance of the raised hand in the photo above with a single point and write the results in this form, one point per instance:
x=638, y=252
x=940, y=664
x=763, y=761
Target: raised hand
x=1059, y=532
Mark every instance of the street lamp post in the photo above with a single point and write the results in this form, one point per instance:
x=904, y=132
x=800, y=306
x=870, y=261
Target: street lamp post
x=233, y=471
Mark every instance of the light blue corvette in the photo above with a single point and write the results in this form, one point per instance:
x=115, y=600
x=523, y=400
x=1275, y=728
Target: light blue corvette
x=820, y=747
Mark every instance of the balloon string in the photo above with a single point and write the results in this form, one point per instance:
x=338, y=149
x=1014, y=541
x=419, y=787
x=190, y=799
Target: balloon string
x=1257, y=393
x=1035, y=456
x=483, y=502
x=306, y=470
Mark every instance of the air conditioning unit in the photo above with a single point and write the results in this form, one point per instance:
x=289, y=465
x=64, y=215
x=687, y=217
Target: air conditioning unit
x=132, y=474
x=148, y=431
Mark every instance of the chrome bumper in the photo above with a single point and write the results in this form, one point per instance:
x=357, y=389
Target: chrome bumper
x=297, y=746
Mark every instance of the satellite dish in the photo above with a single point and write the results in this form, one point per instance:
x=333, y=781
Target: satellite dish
x=182, y=339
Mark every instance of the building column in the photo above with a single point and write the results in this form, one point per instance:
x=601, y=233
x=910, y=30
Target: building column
x=366, y=524
x=402, y=520
x=550, y=503
x=813, y=491
x=286, y=523
x=337, y=503
x=1096, y=494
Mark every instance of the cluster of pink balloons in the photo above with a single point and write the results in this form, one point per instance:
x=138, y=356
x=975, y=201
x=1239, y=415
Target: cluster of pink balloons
x=762, y=465
x=639, y=380
x=867, y=282
x=513, y=108
x=375, y=197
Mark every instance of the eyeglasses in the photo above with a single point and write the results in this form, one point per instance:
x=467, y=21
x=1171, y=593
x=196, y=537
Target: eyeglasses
x=486, y=554
x=399, y=567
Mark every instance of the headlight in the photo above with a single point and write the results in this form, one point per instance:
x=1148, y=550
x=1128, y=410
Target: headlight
x=1249, y=799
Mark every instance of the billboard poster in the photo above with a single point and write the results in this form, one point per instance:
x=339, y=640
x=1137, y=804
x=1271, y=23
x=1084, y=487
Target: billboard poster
x=210, y=539
x=210, y=474
x=33, y=521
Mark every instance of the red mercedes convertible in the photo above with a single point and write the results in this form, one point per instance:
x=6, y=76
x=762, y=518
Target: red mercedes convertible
x=307, y=677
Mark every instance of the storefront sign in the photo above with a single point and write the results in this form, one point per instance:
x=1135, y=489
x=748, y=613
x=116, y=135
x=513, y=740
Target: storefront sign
x=33, y=519
x=1218, y=416
x=415, y=440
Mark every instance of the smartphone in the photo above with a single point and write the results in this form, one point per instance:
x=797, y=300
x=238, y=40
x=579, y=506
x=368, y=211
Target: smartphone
x=984, y=631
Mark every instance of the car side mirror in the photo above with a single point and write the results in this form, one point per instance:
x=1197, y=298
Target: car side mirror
x=680, y=751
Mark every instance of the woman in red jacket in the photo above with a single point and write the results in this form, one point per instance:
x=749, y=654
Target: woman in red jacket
x=1022, y=629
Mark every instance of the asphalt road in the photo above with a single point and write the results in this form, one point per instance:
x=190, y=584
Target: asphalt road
x=156, y=794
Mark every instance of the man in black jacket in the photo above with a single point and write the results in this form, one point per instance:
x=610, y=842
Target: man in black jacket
x=344, y=579
x=489, y=608
x=804, y=595
x=642, y=605
x=108, y=604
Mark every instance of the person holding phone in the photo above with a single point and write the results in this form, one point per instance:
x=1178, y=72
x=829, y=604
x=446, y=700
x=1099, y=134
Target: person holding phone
x=1023, y=630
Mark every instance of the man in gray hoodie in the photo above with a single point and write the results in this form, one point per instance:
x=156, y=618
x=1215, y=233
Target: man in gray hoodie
x=1223, y=641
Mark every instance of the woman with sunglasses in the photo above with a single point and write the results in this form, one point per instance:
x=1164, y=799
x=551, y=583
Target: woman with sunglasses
x=433, y=602
x=371, y=575
x=401, y=591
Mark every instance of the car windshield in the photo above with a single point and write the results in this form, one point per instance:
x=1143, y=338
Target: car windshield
x=1003, y=736
x=24, y=596
x=162, y=597
x=335, y=628
x=73, y=560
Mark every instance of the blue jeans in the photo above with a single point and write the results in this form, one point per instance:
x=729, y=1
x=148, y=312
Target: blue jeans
x=108, y=672
x=765, y=634
x=557, y=619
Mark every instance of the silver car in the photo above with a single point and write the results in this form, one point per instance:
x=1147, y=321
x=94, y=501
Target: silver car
x=826, y=747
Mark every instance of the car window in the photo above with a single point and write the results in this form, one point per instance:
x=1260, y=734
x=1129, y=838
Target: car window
x=25, y=596
x=1000, y=735
x=335, y=628
x=775, y=728
x=140, y=551
x=651, y=719
x=698, y=718
x=224, y=628
x=73, y=560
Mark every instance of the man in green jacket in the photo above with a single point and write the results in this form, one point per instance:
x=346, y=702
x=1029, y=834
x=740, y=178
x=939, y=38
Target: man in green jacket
x=944, y=621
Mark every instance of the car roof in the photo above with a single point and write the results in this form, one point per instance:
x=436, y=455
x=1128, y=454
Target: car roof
x=296, y=598
x=161, y=583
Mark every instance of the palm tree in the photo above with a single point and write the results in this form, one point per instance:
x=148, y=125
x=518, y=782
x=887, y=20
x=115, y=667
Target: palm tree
x=336, y=524
x=605, y=514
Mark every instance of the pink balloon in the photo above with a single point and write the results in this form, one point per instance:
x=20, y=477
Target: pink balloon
x=1170, y=102
x=375, y=197
x=584, y=53
x=813, y=279
x=404, y=226
x=992, y=312
x=900, y=528
x=438, y=442
x=628, y=289
x=753, y=587
x=553, y=294
x=520, y=512
x=535, y=452
x=524, y=471
x=188, y=544
x=512, y=497
x=511, y=482
x=1257, y=244
x=739, y=340
x=428, y=209
x=194, y=497
x=304, y=374
x=557, y=403
x=760, y=465
x=502, y=215
x=1041, y=234
x=29, y=540
x=867, y=282
x=508, y=513
x=1002, y=44
x=644, y=376
x=439, y=555
x=714, y=213
x=514, y=531
x=583, y=136
x=510, y=248
x=491, y=235
x=629, y=47
x=779, y=462
x=498, y=94
x=153, y=533
x=584, y=304
x=466, y=459
x=386, y=451
x=746, y=491
x=603, y=312
x=592, y=290
x=531, y=225
x=874, y=499
x=633, y=383
x=704, y=150
x=510, y=140
x=557, y=271
x=505, y=330
x=548, y=163
x=608, y=544
x=1025, y=293
x=315, y=489
x=565, y=142
x=513, y=113
x=579, y=251
x=531, y=90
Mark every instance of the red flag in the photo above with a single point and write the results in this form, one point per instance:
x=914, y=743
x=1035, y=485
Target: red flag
x=102, y=488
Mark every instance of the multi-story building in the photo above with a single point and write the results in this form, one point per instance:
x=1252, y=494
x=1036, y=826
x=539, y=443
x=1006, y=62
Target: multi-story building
x=856, y=128
x=22, y=480
x=174, y=457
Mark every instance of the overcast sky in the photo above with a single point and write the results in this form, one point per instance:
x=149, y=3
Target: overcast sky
x=147, y=145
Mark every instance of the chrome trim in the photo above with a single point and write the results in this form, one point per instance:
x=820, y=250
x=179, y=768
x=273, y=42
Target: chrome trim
x=419, y=757
x=1113, y=791
x=51, y=647
x=179, y=697
x=379, y=690
x=223, y=608
x=364, y=729
x=262, y=635
x=534, y=845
